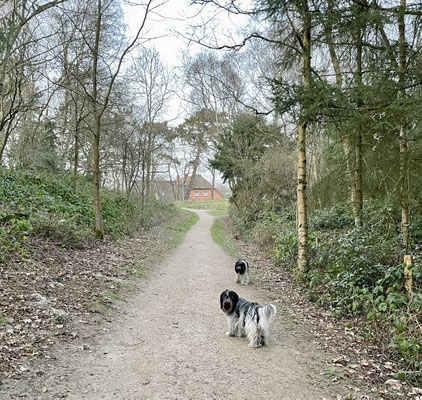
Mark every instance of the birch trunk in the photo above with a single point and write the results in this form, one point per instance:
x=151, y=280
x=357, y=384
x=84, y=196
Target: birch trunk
x=302, y=219
x=404, y=158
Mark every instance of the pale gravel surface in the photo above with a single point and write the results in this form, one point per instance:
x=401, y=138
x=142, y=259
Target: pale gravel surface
x=168, y=341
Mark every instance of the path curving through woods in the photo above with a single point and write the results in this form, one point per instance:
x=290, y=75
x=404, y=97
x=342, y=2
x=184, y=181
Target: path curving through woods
x=168, y=341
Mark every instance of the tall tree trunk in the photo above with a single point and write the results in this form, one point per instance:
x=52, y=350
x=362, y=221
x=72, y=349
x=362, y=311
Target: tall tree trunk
x=174, y=186
x=77, y=122
x=143, y=183
x=403, y=140
x=76, y=163
x=353, y=155
x=213, y=184
x=99, y=228
x=302, y=218
x=302, y=221
x=148, y=178
x=6, y=134
x=148, y=158
x=347, y=149
x=358, y=186
x=4, y=64
x=404, y=158
x=125, y=184
x=195, y=166
x=357, y=176
x=339, y=82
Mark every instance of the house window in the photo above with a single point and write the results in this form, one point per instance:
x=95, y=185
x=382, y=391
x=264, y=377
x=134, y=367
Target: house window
x=205, y=193
x=196, y=194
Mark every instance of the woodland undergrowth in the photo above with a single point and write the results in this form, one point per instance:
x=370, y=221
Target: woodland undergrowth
x=354, y=272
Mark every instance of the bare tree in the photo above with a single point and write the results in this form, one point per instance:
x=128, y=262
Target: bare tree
x=214, y=84
x=17, y=52
x=153, y=87
x=104, y=63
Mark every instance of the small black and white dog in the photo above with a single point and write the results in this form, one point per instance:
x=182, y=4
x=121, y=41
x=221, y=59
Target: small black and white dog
x=247, y=319
x=242, y=271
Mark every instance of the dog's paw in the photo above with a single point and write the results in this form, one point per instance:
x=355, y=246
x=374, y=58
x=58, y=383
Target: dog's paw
x=255, y=345
x=230, y=334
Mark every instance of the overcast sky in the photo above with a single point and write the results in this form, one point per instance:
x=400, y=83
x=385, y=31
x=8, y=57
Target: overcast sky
x=172, y=19
x=167, y=28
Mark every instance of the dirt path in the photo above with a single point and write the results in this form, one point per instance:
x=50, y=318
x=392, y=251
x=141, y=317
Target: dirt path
x=168, y=342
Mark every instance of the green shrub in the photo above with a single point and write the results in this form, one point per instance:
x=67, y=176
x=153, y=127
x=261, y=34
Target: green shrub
x=285, y=249
x=268, y=228
x=243, y=221
x=337, y=217
x=351, y=261
x=46, y=205
x=416, y=229
x=382, y=215
x=358, y=272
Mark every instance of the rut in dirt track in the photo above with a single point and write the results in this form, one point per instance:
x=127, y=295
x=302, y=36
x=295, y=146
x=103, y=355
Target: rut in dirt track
x=169, y=342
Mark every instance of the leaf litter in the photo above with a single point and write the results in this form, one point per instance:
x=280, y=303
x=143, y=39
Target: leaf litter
x=46, y=297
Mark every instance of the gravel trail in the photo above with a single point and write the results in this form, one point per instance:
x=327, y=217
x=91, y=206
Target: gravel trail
x=168, y=341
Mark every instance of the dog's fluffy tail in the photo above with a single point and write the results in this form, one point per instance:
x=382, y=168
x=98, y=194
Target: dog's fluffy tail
x=266, y=314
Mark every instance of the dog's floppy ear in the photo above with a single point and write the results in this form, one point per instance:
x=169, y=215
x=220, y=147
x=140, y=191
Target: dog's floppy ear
x=234, y=298
x=223, y=295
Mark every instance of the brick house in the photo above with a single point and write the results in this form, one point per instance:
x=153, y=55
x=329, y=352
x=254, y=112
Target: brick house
x=202, y=189
x=171, y=191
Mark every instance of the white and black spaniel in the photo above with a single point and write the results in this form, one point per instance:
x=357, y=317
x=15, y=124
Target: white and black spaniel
x=242, y=271
x=247, y=319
